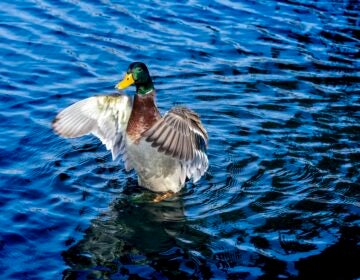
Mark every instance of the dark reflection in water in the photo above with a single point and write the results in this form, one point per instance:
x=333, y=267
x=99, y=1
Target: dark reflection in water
x=135, y=237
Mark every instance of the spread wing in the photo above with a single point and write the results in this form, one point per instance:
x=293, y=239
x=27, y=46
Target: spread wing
x=181, y=135
x=105, y=116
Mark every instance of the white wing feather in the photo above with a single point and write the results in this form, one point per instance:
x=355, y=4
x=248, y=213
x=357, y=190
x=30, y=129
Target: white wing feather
x=105, y=116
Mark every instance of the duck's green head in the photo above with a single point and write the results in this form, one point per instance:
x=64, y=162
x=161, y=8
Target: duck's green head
x=139, y=75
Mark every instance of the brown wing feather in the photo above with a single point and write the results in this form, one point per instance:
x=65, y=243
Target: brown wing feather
x=166, y=146
x=157, y=132
x=174, y=144
x=163, y=137
x=179, y=134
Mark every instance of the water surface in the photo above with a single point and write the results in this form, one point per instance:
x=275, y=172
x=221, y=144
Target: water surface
x=277, y=85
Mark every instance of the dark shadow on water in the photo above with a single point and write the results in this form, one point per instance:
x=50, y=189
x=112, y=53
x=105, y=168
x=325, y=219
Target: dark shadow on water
x=134, y=238
x=339, y=261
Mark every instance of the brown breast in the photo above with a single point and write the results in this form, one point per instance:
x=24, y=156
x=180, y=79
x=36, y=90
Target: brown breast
x=143, y=115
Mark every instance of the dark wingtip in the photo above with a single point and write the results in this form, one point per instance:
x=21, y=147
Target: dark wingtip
x=54, y=121
x=54, y=124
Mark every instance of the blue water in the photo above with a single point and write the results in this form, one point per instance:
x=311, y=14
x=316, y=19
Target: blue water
x=277, y=86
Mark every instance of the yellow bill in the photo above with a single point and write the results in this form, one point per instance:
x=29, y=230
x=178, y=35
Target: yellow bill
x=127, y=81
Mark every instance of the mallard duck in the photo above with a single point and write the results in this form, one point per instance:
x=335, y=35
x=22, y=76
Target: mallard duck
x=163, y=150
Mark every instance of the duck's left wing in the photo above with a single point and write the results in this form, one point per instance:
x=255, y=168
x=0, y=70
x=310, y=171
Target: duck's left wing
x=180, y=134
x=105, y=116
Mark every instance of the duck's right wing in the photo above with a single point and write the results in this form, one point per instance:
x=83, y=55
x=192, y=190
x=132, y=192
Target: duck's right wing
x=181, y=135
x=105, y=116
